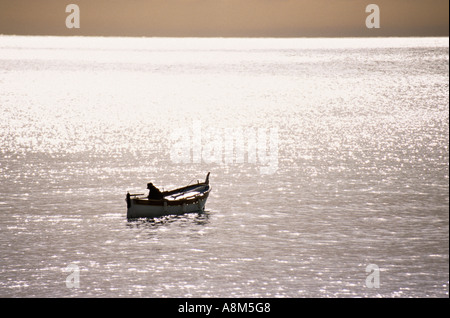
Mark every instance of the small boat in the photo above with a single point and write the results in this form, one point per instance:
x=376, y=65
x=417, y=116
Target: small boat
x=191, y=198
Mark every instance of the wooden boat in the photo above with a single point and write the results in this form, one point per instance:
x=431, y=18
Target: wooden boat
x=191, y=198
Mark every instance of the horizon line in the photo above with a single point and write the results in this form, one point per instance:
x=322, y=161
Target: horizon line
x=232, y=37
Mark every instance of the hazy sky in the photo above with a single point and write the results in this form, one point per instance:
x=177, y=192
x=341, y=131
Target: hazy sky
x=263, y=18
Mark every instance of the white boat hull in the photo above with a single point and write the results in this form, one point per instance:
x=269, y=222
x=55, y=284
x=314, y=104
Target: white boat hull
x=138, y=210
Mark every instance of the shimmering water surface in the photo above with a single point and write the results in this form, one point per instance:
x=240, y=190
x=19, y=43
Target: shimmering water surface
x=361, y=173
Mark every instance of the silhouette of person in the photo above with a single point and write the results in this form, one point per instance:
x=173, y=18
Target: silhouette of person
x=154, y=192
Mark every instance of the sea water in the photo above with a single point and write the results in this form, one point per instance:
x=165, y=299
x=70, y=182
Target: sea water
x=355, y=130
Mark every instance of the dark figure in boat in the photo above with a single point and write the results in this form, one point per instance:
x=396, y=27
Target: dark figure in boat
x=154, y=193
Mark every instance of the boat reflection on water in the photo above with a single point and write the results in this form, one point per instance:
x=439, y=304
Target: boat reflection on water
x=194, y=218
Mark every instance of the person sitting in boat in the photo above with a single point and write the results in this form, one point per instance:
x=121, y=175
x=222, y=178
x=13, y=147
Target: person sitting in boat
x=154, y=193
